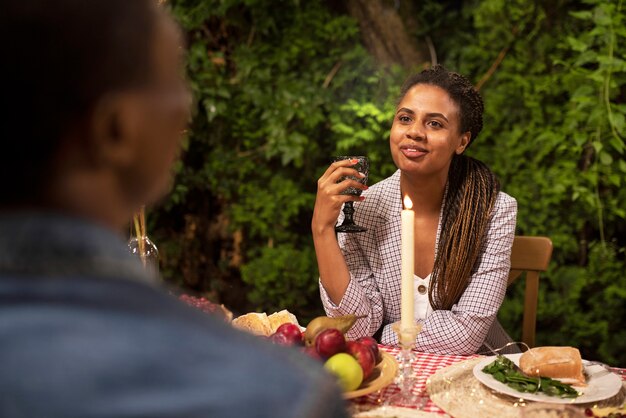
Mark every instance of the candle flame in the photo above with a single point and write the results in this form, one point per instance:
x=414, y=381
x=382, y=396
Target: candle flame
x=408, y=204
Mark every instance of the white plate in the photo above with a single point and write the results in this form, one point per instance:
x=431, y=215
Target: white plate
x=599, y=387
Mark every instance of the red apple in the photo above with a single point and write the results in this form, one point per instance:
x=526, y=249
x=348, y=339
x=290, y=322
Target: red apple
x=373, y=345
x=292, y=333
x=363, y=354
x=330, y=342
x=311, y=352
x=280, y=339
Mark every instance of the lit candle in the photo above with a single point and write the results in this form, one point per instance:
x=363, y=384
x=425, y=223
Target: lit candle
x=407, y=317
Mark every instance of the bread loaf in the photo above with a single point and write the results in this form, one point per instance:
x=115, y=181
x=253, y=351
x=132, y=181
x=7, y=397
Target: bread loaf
x=255, y=323
x=261, y=324
x=282, y=317
x=562, y=363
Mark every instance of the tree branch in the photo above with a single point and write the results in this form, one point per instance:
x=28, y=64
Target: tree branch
x=496, y=63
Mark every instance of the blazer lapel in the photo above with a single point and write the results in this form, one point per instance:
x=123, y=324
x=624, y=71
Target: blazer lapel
x=388, y=238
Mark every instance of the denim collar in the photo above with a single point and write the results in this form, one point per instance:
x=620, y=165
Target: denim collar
x=48, y=245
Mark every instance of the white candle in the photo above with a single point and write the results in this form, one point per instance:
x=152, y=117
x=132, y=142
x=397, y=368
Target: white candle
x=407, y=317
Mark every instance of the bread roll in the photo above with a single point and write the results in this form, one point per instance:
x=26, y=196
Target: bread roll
x=282, y=317
x=562, y=363
x=256, y=323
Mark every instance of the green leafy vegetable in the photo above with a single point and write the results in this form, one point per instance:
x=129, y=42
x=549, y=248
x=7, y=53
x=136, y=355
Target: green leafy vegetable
x=504, y=370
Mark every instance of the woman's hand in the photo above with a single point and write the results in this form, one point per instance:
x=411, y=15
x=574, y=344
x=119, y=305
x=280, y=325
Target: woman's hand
x=329, y=199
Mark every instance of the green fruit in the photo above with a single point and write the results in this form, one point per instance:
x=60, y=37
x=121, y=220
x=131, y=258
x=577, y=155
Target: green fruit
x=321, y=323
x=347, y=370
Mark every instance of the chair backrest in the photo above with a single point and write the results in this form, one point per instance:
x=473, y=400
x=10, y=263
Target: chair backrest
x=531, y=255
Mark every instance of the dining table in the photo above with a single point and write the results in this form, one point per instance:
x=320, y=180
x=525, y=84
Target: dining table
x=424, y=366
x=446, y=387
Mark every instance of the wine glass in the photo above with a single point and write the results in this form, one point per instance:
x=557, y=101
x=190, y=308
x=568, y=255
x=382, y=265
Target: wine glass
x=362, y=166
x=141, y=246
x=147, y=252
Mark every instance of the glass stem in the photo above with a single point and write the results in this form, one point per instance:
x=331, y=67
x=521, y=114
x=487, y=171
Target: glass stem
x=348, y=211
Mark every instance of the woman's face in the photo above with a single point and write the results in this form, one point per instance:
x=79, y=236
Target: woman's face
x=426, y=132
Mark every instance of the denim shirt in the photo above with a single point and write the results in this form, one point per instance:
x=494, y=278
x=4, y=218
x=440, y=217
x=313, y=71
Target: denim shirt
x=86, y=332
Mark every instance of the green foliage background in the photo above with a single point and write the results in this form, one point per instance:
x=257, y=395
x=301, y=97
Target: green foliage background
x=283, y=85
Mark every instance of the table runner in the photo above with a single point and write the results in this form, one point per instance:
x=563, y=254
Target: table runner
x=425, y=365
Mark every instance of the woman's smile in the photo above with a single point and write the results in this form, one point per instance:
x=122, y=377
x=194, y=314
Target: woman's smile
x=413, y=151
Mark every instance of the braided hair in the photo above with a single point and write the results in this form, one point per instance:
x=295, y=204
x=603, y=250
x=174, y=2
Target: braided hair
x=471, y=193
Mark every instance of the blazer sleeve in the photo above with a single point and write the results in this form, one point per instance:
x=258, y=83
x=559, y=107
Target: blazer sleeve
x=462, y=329
x=362, y=297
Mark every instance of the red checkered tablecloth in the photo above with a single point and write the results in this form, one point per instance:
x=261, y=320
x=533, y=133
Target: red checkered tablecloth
x=425, y=365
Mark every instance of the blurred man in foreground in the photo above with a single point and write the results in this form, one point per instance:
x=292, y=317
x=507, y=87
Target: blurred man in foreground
x=94, y=104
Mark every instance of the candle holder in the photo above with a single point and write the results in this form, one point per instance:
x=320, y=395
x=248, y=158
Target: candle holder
x=406, y=358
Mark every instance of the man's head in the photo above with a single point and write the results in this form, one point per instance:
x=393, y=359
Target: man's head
x=92, y=91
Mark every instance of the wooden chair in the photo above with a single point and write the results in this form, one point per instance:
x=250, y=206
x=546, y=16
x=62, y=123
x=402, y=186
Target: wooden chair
x=531, y=255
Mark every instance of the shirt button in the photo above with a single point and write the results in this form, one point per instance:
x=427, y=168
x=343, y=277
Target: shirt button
x=422, y=289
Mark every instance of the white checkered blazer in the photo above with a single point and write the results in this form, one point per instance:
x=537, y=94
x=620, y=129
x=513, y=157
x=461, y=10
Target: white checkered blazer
x=374, y=261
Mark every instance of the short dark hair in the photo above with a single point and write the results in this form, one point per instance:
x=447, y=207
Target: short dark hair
x=60, y=57
x=460, y=90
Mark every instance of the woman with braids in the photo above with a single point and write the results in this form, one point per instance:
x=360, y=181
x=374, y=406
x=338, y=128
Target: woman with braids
x=464, y=227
